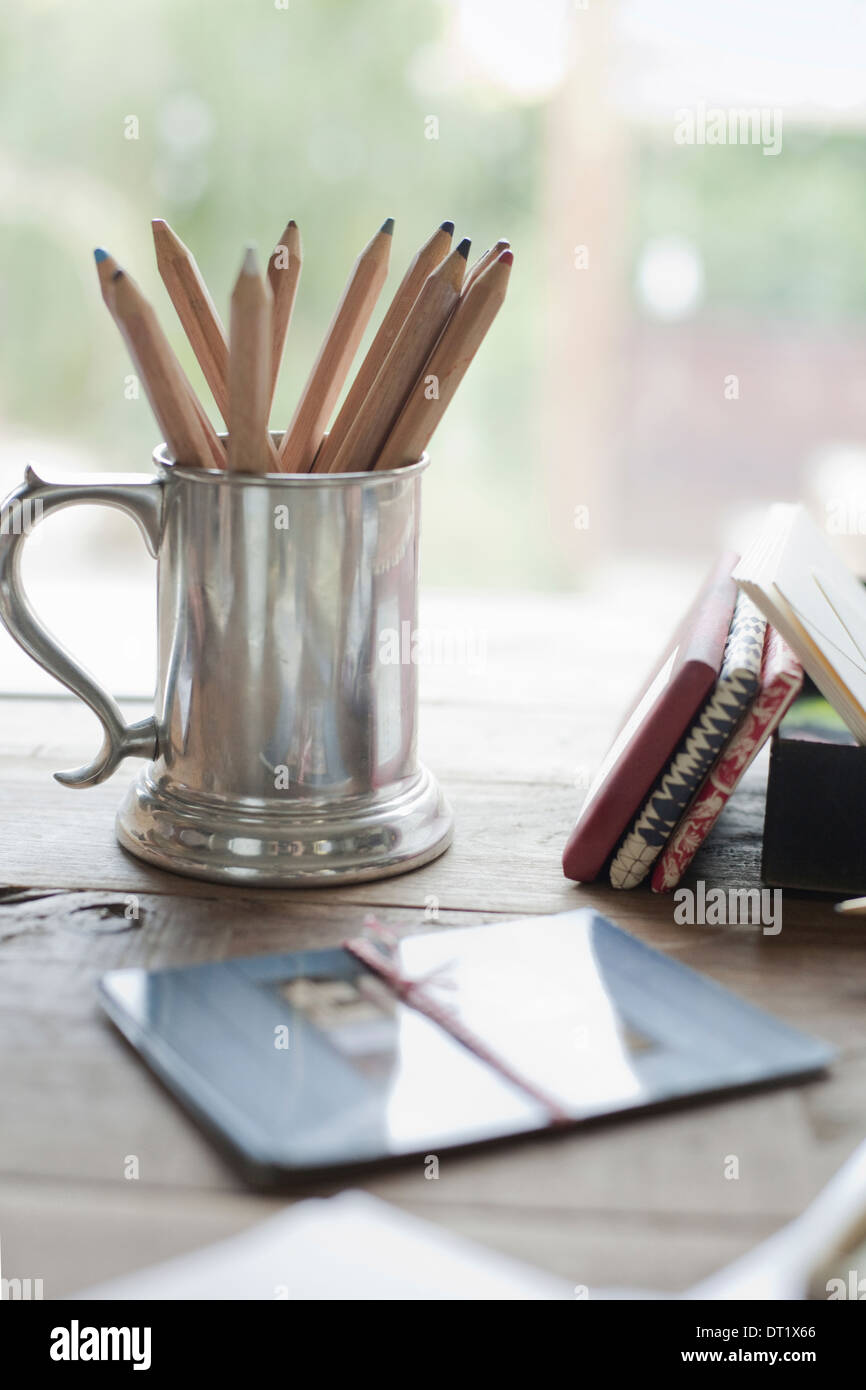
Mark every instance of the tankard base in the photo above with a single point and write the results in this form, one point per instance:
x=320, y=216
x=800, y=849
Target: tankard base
x=373, y=837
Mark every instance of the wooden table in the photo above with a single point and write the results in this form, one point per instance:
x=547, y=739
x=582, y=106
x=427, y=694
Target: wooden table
x=643, y=1202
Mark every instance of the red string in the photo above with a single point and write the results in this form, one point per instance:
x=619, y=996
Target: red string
x=416, y=995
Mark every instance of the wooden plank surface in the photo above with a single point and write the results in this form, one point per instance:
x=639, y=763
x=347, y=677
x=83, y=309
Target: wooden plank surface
x=642, y=1202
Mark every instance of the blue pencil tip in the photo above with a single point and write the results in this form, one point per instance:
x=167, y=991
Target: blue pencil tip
x=100, y=255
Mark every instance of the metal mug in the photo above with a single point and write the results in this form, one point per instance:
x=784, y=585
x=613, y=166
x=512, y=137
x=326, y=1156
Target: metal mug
x=282, y=747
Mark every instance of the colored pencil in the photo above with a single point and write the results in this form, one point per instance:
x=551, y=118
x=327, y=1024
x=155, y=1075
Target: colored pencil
x=284, y=272
x=190, y=437
x=446, y=366
x=428, y=335
x=401, y=368
x=490, y=256
x=106, y=269
x=216, y=446
x=195, y=309
x=250, y=449
x=423, y=263
x=319, y=396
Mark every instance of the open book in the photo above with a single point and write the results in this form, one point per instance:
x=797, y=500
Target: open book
x=802, y=587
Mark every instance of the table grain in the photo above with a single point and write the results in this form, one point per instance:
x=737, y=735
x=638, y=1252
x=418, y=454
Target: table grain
x=642, y=1202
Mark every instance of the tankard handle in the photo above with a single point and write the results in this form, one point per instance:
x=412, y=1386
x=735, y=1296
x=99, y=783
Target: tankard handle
x=141, y=496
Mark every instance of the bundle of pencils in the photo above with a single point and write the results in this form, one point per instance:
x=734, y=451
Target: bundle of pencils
x=429, y=334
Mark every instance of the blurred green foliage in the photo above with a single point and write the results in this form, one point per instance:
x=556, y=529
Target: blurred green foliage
x=780, y=237
x=247, y=115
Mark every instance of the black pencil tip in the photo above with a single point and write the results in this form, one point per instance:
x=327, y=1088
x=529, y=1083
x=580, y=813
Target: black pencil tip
x=447, y=227
x=463, y=248
x=387, y=226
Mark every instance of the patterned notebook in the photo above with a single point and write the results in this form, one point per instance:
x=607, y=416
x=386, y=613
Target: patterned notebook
x=781, y=680
x=734, y=691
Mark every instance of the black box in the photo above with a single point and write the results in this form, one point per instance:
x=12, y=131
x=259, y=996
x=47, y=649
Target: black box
x=815, y=818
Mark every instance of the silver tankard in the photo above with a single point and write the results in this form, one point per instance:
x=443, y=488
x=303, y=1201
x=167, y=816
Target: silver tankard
x=282, y=749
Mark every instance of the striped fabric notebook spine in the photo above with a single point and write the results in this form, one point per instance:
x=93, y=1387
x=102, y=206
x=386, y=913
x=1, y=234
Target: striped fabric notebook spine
x=781, y=681
x=732, y=694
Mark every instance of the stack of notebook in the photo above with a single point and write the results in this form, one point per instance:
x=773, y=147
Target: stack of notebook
x=722, y=686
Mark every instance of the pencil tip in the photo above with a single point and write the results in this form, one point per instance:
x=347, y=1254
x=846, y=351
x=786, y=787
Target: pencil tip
x=251, y=262
x=463, y=248
x=100, y=255
x=158, y=222
x=387, y=226
x=507, y=258
x=447, y=227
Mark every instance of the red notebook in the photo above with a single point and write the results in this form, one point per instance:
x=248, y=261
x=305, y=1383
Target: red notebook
x=663, y=711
